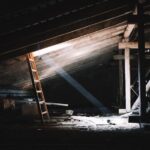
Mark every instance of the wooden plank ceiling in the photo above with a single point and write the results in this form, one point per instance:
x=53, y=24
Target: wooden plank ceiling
x=91, y=31
x=54, y=21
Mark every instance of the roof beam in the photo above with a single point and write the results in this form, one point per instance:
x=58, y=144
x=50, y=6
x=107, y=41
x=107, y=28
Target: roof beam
x=128, y=31
x=130, y=27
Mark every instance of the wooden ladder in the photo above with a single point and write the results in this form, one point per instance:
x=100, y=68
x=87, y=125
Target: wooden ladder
x=39, y=96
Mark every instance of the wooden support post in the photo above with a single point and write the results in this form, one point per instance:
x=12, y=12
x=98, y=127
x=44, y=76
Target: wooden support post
x=129, y=29
x=141, y=59
x=121, y=83
x=127, y=80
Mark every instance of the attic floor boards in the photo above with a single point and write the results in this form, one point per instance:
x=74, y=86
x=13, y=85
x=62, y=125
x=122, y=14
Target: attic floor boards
x=78, y=133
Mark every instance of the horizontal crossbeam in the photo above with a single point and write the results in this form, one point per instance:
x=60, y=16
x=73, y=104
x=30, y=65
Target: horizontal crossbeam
x=121, y=57
x=132, y=45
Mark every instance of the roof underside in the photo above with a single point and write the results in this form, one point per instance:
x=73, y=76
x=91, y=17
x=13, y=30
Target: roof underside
x=56, y=21
x=90, y=29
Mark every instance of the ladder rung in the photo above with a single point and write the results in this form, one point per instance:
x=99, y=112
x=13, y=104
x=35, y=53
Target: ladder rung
x=31, y=60
x=39, y=91
x=33, y=70
x=36, y=81
x=44, y=112
x=42, y=102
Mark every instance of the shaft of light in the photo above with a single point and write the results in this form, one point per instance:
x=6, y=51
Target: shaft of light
x=92, y=99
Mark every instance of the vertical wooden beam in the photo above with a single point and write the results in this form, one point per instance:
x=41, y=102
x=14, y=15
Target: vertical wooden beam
x=141, y=60
x=127, y=80
x=121, y=81
x=129, y=29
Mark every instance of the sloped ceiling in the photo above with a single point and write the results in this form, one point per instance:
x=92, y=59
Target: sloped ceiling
x=51, y=22
x=90, y=29
x=78, y=53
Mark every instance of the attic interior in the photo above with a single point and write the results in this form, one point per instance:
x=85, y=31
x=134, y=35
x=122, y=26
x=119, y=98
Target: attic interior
x=74, y=74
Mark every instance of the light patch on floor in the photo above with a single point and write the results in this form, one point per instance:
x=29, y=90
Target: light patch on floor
x=97, y=123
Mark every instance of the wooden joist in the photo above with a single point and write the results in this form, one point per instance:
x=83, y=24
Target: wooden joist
x=130, y=27
x=129, y=30
x=132, y=45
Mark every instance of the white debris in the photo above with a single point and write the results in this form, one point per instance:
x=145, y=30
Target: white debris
x=103, y=123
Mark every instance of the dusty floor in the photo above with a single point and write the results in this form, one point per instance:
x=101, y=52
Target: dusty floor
x=75, y=133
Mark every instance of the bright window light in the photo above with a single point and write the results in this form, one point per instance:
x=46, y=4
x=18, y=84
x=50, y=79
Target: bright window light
x=50, y=49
